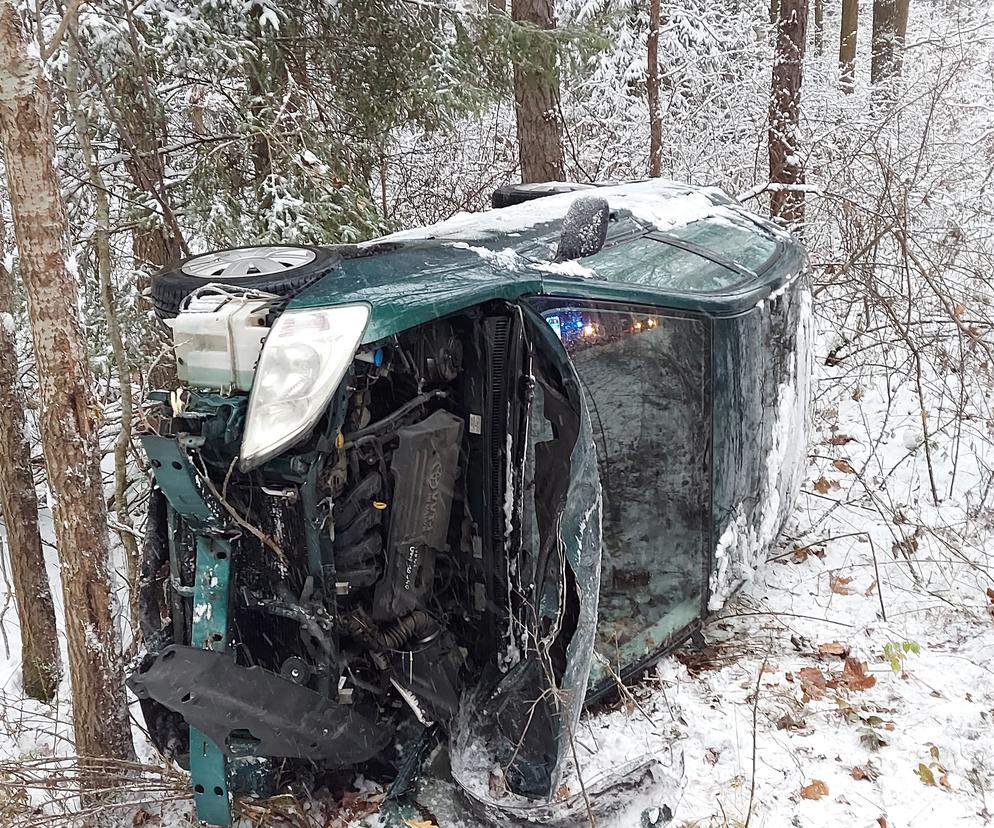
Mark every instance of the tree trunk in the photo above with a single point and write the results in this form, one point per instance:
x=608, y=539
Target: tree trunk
x=890, y=23
x=536, y=97
x=786, y=169
x=68, y=423
x=847, y=44
x=652, y=79
x=101, y=242
x=19, y=504
x=819, y=26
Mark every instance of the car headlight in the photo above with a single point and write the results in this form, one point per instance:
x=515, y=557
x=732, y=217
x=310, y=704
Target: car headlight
x=303, y=360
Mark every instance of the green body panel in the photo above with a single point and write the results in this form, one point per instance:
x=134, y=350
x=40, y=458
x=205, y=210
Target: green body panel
x=211, y=599
x=413, y=279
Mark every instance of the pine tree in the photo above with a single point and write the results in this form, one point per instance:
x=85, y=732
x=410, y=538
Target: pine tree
x=786, y=167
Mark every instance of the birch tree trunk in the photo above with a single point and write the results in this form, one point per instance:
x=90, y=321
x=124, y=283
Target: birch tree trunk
x=847, y=44
x=19, y=504
x=652, y=79
x=68, y=416
x=536, y=97
x=786, y=168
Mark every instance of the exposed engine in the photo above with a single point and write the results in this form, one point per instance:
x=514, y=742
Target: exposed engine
x=360, y=575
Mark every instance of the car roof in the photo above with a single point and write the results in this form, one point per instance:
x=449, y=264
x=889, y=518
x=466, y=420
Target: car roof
x=712, y=257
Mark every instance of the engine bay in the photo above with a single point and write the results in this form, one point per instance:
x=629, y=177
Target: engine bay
x=379, y=576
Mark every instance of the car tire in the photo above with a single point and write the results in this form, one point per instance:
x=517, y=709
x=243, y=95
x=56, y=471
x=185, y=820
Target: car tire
x=279, y=269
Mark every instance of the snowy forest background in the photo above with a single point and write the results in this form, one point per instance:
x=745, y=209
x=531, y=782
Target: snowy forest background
x=851, y=683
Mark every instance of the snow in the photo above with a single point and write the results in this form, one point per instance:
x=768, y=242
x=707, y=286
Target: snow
x=663, y=204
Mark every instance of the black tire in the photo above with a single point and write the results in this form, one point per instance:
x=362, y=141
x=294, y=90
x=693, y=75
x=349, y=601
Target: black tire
x=171, y=286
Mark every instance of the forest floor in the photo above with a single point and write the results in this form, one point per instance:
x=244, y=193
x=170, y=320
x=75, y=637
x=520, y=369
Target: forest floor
x=850, y=683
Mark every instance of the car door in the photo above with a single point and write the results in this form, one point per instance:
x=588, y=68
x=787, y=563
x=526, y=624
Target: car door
x=645, y=374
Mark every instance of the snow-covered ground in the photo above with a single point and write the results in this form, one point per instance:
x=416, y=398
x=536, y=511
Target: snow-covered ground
x=851, y=683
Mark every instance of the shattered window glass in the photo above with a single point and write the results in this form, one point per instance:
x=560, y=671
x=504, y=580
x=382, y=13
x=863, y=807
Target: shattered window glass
x=644, y=376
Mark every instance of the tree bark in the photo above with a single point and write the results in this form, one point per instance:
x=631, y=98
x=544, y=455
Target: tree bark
x=847, y=44
x=19, y=504
x=890, y=23
x=101, y=242
x=68, y=421
x=652, y=80
x=819, y=26
x=786, y=168
x=536, y=97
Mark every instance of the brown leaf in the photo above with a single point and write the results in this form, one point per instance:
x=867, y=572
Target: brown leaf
x=871, y=588
x=143, y=818
x=839, y=584
x=867, y=772
x=833, y=648
x=821, y=485
x=843, y=466
x=854, y=675
x=813, y=683
x=925, y=774
x=839, y=439
x=882, y=821
x=816, y=789
x=788, y=722
x=562, y=793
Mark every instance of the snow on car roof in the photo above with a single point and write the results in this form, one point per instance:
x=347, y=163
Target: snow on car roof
x=660, y=203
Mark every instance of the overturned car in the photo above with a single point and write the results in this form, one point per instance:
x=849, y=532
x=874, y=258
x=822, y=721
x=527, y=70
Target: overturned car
x=460, y=481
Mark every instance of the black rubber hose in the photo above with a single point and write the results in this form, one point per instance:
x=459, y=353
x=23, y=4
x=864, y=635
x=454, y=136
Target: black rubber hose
x=418, y=627
x=369, y=432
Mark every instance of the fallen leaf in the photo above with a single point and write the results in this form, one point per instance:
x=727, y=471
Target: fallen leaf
x=854, y=675
x=925, y=774
x=788, y=722
x=822, y=485
x=869, y=772
x=882, y=821
x=816, y=789
x=839, y=439
x=711, y=756
x=769, y=668
x=839, y=584
x=813, y=683
x=562, y=793
x=871, y=588
x=944, y=781
x=871, y=739
x=833, y=648
x=843, y=466
x=143, y=818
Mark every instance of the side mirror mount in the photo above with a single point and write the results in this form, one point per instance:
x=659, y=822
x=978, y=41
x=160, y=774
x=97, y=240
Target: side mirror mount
x=584, y=228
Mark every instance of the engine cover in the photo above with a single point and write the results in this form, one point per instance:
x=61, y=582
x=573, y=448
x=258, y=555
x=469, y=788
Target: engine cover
x=424, y=467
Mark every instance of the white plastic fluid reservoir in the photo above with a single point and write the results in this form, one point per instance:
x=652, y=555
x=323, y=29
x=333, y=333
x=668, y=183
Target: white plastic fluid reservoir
x=218, y=337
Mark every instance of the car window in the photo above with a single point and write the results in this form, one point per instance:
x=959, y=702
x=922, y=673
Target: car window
x=729, y=237
x=644, y=378
x=650, y=262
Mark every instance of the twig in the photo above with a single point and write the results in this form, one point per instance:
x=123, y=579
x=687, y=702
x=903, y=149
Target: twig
x=755, y=711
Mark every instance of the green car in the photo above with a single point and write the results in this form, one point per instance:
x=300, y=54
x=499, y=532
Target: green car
x=454, y=484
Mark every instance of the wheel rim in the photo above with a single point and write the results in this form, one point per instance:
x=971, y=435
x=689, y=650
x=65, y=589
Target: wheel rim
x=243, y=263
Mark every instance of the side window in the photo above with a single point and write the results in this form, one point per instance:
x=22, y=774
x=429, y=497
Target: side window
x=645, y=374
